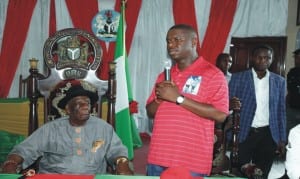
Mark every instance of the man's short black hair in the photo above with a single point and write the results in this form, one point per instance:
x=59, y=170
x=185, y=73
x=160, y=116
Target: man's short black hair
x=184, y=27
x=262, y=46
x=221, y=57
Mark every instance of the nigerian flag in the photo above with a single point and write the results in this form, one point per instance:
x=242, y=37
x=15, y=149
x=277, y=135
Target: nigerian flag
x=124, y=123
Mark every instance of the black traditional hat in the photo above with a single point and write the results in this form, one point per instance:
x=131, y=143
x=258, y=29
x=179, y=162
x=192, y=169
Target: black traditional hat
x=71, y=88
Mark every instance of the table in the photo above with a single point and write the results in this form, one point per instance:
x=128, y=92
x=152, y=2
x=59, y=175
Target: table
x=57, y=176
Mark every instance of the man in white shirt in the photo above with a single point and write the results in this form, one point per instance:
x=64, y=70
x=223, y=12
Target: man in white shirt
x=260, y=96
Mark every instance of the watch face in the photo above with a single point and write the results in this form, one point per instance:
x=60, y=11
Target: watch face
x=179, y=99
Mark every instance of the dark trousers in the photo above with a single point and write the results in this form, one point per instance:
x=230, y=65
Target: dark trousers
x=259, y=147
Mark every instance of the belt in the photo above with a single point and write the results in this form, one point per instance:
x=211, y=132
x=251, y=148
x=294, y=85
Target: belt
x=259, y=129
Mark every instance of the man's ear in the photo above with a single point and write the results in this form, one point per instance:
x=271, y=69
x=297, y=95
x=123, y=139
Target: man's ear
x=67, y=109
x=194, y=42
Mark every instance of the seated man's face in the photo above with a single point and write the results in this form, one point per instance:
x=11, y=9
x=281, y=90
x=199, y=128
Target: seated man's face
x=79, y=108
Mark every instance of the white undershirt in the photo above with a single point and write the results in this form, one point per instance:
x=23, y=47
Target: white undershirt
x=261, y=117
x=228, y=76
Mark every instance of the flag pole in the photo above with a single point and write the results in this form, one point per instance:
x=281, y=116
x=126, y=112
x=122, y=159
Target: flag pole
x=123, y=3
x=125, y=124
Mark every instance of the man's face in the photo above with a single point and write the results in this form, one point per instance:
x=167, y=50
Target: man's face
x=78, y=108
x=179, y=44
x=262, y=59
x=225, y=64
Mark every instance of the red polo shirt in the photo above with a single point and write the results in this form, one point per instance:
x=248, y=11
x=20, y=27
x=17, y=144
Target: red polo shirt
x=181, y=138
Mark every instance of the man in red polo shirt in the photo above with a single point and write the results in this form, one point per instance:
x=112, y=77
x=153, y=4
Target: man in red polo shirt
x=186, y=108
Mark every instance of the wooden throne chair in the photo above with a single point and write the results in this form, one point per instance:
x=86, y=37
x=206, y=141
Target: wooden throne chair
x=74, y=54
x=26, y=85
x=224, y=165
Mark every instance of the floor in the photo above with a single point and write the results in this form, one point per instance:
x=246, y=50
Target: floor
x=140, y=155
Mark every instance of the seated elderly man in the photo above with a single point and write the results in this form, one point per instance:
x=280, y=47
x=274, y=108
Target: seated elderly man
x=77, y=143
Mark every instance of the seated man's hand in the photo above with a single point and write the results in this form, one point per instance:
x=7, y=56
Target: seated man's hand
x=9, y=167
x=12, y=164
x=122, y=167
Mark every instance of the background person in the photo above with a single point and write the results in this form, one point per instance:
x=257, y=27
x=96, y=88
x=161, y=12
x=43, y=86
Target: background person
x=224, y=62
x=293, y=95
x=260, y=96
x=221, y=161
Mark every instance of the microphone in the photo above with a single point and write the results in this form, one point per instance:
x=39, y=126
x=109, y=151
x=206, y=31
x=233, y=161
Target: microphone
x=168, y=65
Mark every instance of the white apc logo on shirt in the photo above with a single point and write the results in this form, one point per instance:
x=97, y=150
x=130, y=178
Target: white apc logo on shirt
x=192, y=85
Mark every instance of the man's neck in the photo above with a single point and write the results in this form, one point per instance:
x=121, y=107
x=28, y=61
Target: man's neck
x=261, y=74
x=187, y=62
x=76, y=123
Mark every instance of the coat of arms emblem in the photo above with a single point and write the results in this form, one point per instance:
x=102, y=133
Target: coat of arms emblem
x=105, y=25
x=71, y=49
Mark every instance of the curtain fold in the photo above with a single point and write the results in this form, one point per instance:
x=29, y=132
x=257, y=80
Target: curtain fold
x=220, y=21
x=83, y=13
x=52, y=18
x=13, y=40
x=184, y=13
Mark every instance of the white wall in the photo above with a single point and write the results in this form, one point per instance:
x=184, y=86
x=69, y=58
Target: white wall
x=291, y=33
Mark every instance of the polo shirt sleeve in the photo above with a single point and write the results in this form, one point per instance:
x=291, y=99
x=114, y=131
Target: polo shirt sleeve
x=152, y=94
x=219, y=97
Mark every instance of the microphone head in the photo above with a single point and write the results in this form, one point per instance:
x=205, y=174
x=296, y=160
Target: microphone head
x=167, y=64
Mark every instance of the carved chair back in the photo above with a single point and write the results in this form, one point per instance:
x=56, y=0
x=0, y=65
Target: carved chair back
x=71, y=54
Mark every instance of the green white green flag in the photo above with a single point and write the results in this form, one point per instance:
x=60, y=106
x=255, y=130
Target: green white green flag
x=124, y=123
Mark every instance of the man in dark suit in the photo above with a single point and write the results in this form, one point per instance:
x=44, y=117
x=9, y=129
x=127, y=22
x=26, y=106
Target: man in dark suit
x=260, y=96
x=293, y=95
